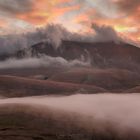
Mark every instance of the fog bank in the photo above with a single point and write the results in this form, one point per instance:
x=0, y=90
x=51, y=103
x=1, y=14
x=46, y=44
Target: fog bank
x=120, y=110
x=43, y=61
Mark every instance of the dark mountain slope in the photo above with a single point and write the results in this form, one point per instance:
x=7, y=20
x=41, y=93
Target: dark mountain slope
x=106, y=54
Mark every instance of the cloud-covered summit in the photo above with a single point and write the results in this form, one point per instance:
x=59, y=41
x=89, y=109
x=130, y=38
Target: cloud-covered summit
x=54, y=34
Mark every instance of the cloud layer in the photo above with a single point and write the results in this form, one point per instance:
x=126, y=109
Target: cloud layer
x=16, y=6
x=76, y=15
x=44, y=61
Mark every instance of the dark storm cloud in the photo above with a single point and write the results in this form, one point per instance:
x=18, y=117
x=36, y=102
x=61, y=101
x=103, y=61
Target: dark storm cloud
x=15, y=6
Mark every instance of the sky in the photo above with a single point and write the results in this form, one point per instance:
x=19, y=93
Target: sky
x=76, y=15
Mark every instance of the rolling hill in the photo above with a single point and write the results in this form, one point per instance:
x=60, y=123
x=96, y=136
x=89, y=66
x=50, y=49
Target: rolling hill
x=12, y=86
x=113, y=80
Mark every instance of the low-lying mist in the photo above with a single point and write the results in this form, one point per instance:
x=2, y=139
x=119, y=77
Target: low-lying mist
x=120, y=112
x=43, y=61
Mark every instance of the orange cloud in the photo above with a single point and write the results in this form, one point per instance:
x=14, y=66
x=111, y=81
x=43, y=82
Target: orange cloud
x=126, y=25
x=80, y=14
x=45, y=11
x=3, y=23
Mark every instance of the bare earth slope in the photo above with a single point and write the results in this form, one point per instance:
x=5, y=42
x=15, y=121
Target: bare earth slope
x=110, y=79
x=13, y=86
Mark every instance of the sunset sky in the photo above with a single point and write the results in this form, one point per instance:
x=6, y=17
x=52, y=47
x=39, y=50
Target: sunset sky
x=75, y=15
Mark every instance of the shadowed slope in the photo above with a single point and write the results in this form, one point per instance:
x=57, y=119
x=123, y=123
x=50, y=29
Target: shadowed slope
x=110, y=79
x=106, y=54
x=12, y=86
x=133, y=90
x=100, y=54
